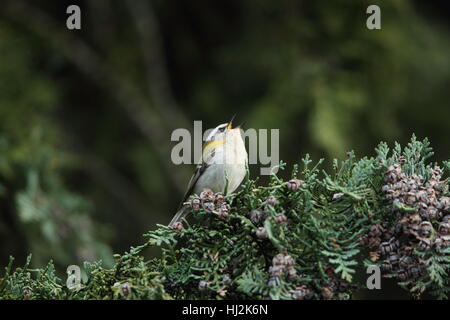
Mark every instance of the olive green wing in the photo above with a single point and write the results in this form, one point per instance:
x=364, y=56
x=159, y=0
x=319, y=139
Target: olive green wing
x=198, y=172
x=200, y=169
x=182, y=209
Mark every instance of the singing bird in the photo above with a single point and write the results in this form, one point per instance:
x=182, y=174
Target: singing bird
x=224, y=160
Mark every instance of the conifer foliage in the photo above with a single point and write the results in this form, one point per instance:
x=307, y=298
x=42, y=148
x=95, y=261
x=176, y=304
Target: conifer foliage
x=299, y=239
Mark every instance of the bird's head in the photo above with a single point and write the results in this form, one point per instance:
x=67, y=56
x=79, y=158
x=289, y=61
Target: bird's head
x=220, y=132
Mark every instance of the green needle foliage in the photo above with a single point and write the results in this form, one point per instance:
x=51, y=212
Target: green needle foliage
x=299, y=239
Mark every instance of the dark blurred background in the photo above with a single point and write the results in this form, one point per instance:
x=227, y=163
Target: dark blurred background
x=86, y=115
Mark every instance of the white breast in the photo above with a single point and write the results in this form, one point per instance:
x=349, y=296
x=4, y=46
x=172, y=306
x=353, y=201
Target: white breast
x=229, y=160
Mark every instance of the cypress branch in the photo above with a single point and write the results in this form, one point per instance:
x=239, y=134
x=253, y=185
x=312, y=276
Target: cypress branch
x=297, y=239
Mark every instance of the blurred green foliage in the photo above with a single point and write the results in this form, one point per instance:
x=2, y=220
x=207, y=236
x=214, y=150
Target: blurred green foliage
x=76, y=107
x=37, y=207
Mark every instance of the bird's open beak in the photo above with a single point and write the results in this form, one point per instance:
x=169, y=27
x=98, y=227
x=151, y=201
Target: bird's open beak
x=230, y=123
x=239, y=126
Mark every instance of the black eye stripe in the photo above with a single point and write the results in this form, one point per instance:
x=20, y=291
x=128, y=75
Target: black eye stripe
x=218, y=129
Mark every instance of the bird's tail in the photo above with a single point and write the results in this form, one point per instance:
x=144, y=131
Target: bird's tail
x=184, y=210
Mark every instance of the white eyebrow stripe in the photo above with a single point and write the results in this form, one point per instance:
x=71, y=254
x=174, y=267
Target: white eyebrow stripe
x=214, y=132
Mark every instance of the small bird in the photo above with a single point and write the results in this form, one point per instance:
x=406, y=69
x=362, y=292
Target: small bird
x=223, y=165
